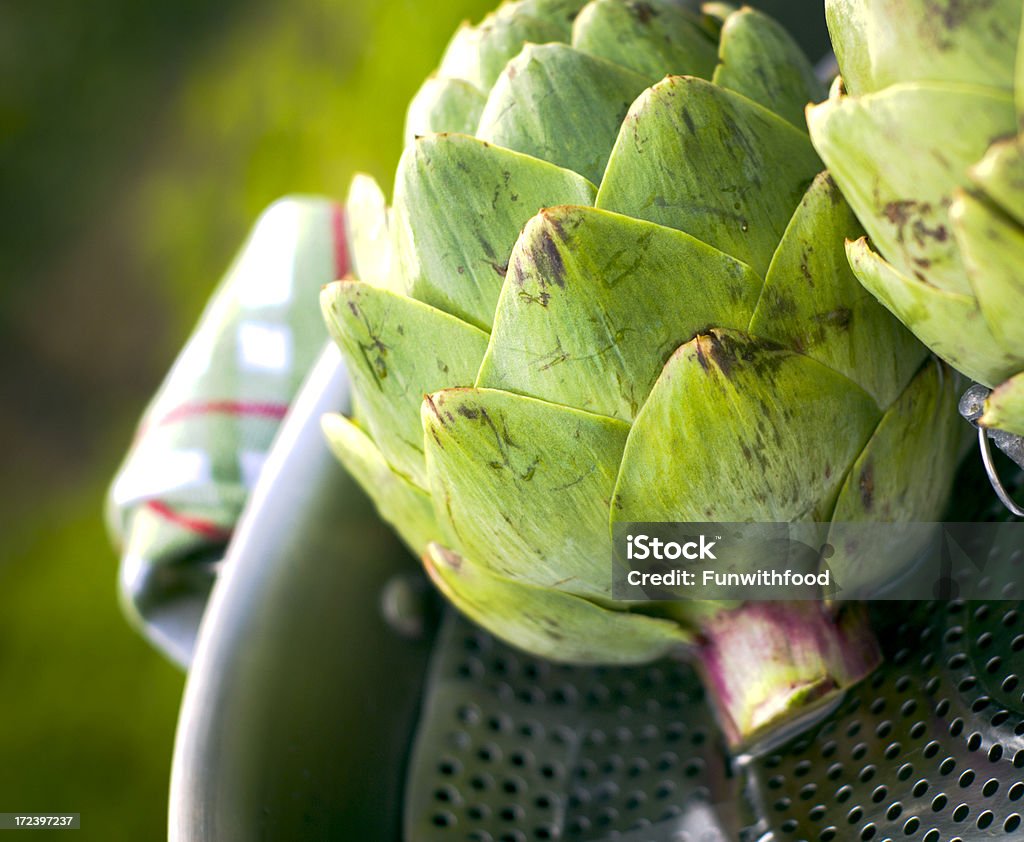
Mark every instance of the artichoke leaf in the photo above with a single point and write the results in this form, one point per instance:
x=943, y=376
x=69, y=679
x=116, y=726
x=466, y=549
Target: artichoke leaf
x=904, y=474
x=1004, y=408
x=548, y=622
x=886, y=42
x=547, y=93
x=813, y=303
x=595, y=303
x=1000, y=174
x=460, y=204
x=407, y=508
x=397, y=350
x=902, y=200
x=947, y=322
x=652, y=38
x=708, y=161
x=443, y=105
x=524, y=485
x=478, y=54
x=366, y=222
x=992, y=245
x=560, y=13
x=759, y=59
x=738, y=429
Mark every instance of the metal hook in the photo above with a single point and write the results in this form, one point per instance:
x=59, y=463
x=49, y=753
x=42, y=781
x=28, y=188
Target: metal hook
x=993, y=474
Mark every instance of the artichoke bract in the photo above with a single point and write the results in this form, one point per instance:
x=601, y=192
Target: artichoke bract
x=922, y=136
x=612, y=287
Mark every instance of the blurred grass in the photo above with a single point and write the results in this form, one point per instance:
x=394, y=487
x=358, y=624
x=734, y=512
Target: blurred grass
x=139, y=142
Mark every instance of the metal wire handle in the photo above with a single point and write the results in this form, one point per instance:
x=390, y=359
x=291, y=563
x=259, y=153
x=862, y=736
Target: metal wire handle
x=993, y=474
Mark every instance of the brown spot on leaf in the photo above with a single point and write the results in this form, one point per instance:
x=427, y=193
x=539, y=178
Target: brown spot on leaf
x=783, y=304
x=643, y=12
x=867, y=486
x=554, y=267
x=832, y=190
x=429, y=399
x=839, y=318
x=722, y=352
x=468, y=412
x=953, y=13
x=909, y=217
x=699, y=348
x=689, y=121
x=898, y=213
x=452, y=560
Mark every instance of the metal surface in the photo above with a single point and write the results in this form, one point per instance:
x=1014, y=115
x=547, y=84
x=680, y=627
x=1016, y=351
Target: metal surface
x=512, y=748
x=299, y=706
x=930, y=748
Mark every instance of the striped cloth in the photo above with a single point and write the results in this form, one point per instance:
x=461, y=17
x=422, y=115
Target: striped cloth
x=202, y=441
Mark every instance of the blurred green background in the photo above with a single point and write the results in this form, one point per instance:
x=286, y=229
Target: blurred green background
x=139, y=142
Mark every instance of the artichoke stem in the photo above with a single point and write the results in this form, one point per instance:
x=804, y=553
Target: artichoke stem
x=766, y=663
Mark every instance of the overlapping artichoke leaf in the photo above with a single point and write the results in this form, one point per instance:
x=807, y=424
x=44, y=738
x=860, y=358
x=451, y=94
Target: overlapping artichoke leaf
x=1004, y=408
x=886, y=42
x=479, y=53
x=949, y=323
x=654, y=38
x=397, y=350
x=459, y=206
x=549, y=622
x=369, y=236
x=596, y=302
x=992, y=245
x=559, y=13
x=544, y=97
x=759, y=59
x=524, y=485
x=813, y=303
x=710, y=162
x=737, y=429
x=1000, y=176
x=903, y=199
x=443, y=104
x=405, y=506
x=902, y=472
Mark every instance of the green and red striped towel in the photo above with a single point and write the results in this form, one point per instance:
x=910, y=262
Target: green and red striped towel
x=202, y=441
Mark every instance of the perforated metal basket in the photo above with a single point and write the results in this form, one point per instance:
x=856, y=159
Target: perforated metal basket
x=930, y=747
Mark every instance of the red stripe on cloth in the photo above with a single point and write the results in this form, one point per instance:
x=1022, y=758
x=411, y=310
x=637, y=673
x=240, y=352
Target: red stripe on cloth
x=341, y=265
x=198, y=525
x=276, y=411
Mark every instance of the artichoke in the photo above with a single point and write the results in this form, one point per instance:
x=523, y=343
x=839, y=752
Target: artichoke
x=612, y=287
x=922, y=136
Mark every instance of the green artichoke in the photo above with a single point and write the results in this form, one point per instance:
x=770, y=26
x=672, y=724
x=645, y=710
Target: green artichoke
x=922, y=136
x=612, y=287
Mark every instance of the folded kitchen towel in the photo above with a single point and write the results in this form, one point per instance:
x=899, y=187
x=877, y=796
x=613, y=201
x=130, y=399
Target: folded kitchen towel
x=202, y=440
